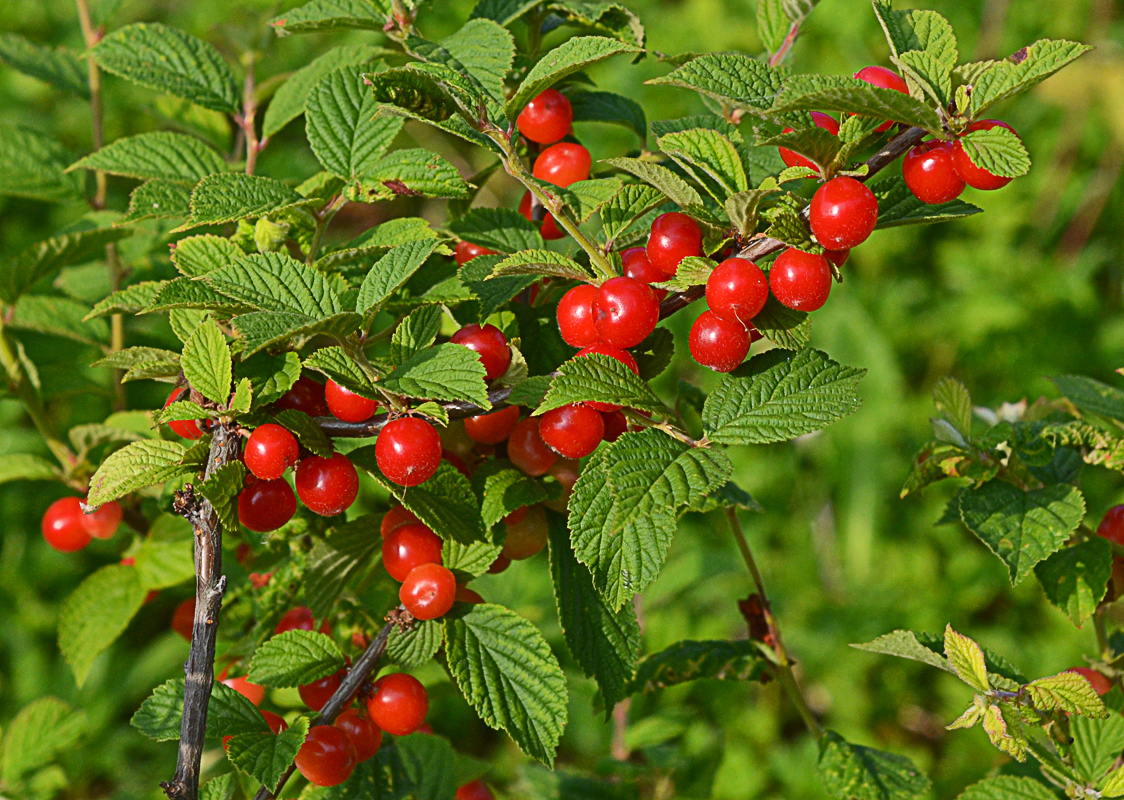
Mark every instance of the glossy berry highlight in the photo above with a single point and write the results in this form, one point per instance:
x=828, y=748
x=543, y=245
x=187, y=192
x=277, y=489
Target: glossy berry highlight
x=563, y=164
x=577, y=319
x=626, y=311
x=737, y=290
x=843, y=213
x=799, y=280
x=398, y=704
x=528, y=451
x=328, y=486
x=466, y=251
x=673, y=237
x=327, y=757
x=428, y=591
x=347, y=405
x=573, y=431
x=718, y=343
x=547, y=118
x=489, y=343
x=62, y=525
x=408, y=451
x=270, y=450
x=265, y=506
x=408, y=547
x=930, y=173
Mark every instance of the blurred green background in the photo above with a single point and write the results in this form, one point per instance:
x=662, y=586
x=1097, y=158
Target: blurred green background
x=1031, y=288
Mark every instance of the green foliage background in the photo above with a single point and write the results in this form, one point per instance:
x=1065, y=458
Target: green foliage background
x=1002, y=300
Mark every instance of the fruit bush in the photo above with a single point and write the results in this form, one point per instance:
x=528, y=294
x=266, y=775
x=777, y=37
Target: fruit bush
x=421, y=343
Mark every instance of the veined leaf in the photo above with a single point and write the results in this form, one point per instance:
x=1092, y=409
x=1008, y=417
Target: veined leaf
x=233, y=196
x=691, y=661
x=412, y=172
x=158, y=155
x=279, y=283
x=611, y=108
x=843, y=94
x=266, y=756
x=998, y=151
x=20, y=272
x=207, y=364
x=325, y=15
x=1022, y=71
x=541, y=262
x=38, y=732
x=1008, y=787
x=1091, y=396
x=664, y=180
x=569, y=57
x=849, y=771
x=57, y=66
x=898, y=206
x=294, y=658
x=33, y=165
x=135, y=466
x=390, y=272
x=158, y=200
x=738, y=80
x=345, y=550
x=598, y=378
x=1075, y=578
x=199, y=255
x=501, y=229
x=445, y=372
x=96, y=613
x=342, y=129
x=966, y=659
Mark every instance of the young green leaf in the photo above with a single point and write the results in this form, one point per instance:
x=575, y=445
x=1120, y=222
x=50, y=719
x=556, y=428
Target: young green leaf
x=541, y=262
x=598, y=378
x=96, y=613
x=415, y=333
x=327, y=15
x=501, y=489
x=33, y=165
x=390, y=272
x=843, y=94
x=157, y=155
x=966, y=659
x=336, y=364
x=661, y=178
x=1075, y=578
x=952, y=399
x=342, y=130
x=198, y=255
x=294, y=658
x=569, y=57
x=130, y=300
x=685, y=661
x=1022, y=71
x=1067, y=691
x=207, y=364
x=998, y=151
x=584, y=198
x=848, y=771
x=279, y=283
x=20, y=272
x=1092, y=396
x=137, y=465
x=266, y=756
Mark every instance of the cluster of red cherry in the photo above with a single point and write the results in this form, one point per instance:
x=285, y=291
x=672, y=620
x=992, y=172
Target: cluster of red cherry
x=67, y=529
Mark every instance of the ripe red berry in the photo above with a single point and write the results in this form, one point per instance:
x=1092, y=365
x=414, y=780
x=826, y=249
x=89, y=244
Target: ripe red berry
x=674, y=237
x=549, y=228
x=843, y=213
x=466, y=251
x=466, y=595
x=718, y=343
x=327, y=757
x=547, y=118
x=399, y=704
x=527, y=450
x=1112, y=525
x=930, y=174
x=185, y=429
x=573, y=431
x=364, y=733
x=563, y=164
x=978, y=177
x=300, y=619
x=270, y=451
x=737, y=290
x=458, y=463
x=251, y=691
x=615, y=425
x=347, y=405
x=103, y=523
x=492, y=428
x=183, y=618
x=837, y=257
x=408, y=451
x=316, y=694
x=800, y=280
x=622, y=356
x=883, y=79
x=1100, y=683
x=305, y=395
x=490, y=344
x=409, y=546
x=396, y=517
x=791, y=159
x=501, y=563
x=428, y=591
x=626, y=311
x=63, y=527
x=328, y=486
x=265, y=506
x=576, y=318
x=526, y=537
x=474, y=791
x=639, y=267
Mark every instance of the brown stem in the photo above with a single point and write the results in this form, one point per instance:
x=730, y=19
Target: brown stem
x=210, y=585
x=247, y=118
x=776, y=58
x=456, y=410
x=356, y=676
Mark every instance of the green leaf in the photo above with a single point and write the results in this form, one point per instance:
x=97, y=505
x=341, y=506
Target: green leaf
x=843, y=94
x=631, y=203
x=228, y=713
x=541, y=262
x=598, y=378
x=96, y=613
x=952, y=399
x=1114, y=786
x=308, y=433
x=158, y=155
x=780, y=395
x=852, y=772
x=23, y=467
x=1092, y=396
x=271, y=375
x=392, y=271
x=412, y=172
x=40, y=730
x=623, y=509
x=429, y=764
x=613, y=19
x=772, y=23
x=818, y=145
x=221, y=787
x=131, y=300
x=486, y=52
x=905, y=644
x=737, y=80
x=336, y=364
x=233, y=196
x=33, y=165
x=966, y=659
x=502, y=11
x=277, y=282
x=1096, y=744
x=917, y=30
x=1067, y=691
x=266, y=756
x=445, y=372
x=326, y=15
x=165, y=556
x=143, y=362
x=708, y=155
x=609, y=107
x=342, y=130
x=926, y=75
x=416, y=332
x=294, y=658
x=692, y=661
x=898, y=206
x=57, y=66
x=207, y=364
x=664, y=180
x=1007, y=787
x=135, y=466
x=169, y=60
x=584, y=198
x=502, y=489
x=998, y=150
x=692, y=271
x=344, y=552
x=491, y=293
x=569, y=57
x=416, y=646
x=505, y=669
x=18, y=273
x=1022, y=71
x=222, y=489
x=1022, y=528
x=504, y=230
x=158, y=200
x=1075, y=578
x=58, y=316
x=421, y=96
x=203, y=254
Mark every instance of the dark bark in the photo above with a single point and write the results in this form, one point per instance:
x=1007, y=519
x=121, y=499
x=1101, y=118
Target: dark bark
x=456, y=410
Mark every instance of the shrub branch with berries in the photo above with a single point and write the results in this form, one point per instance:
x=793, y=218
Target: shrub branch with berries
x=506, y=382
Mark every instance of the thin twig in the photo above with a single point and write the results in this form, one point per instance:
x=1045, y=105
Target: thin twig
x=456, y=410
x=247, y=118
x=778, y=57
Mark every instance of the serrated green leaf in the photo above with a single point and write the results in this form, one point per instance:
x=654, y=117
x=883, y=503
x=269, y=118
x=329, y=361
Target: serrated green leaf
x=168, y=60
x=20, y=272
x=485, y=51
x=416, y=332
x=1007, y=787
x=445, y=372
x=1075, y=578
x=1114, y=786
x=185, y=293
x=708, y=155
x=905, y=644
x=693, y=660
x=325, y=15
x=1092, y=396
x=1096, y=744
x=530, y=392
x=390, y=272
x=143, y=362
x=228, y=713
x=308, y=433
x=222, y=489
x=266, y=756
x=23, y=467
x=96, y=613
x=927, y=76
x=853, y=772
x=271, y=375
x=966, y=659
x=737, y=80
x=336, y=364
x=412, y=648
x=492, y=293
x=501, y=489
x=632, y=202
x=952, y=399
x=57, y=66
x=220, y=787
x=898, y=206
x=429, y=766
x=1067, y=691
x=505, y=669
x=294, y=658
x=158, y=155
x=541, y=262
x=843, y=94
x=158, y=200
x=411, y=172
x=569, y=57
x=165, y=556
x=661, y=178
x=780, y=395
x=58, y=316
x=692, y=271
x=584, y=198
x=471, y=559
x=207, y=364
x=38, y=732
x=335, y=558
x=611, y=108
x=1023, y=71
x=502, y=11
x=342, y=130
x=814, y=143
x=279, y=283
x=614, y=19
x=199, y=255
x=772, y=23
x=422, y=97
x=135, y=466
x=232, y=196
x=33, y=165
x=1022, y=528
x=501, y=229
x=598, y=378
x=998, y=151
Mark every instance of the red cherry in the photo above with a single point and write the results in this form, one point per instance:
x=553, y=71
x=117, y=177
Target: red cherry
x=347, y=405
x=306, y=395
x=408, y=451
x=626, y=312
x=843, y=213
x=549, y=229
x=737, y=290
x=275, y=723
x=527, y=450
x=547, y=118
x=1112, y=525
x=492, y=428
x=791, y=159
x=622, y=356
x=428, y=591
x=103, y=523
x=577, y=319
x=929, y=173
x=466, y=251
x=185, y=429
x=837, y=257
x=490, y=344
x=409, y=546
x=573, y=431
x=615, y=424
x=265, y=506
x=183, y=618
x=364, y=733
x=396, y=517
x=457, y=462
x=474, y=791
x=674, y=237
x=1100, y=683
x=466, y=595
x=328, y=486
x=526, y=537
x=63, y=527
x=518, y=515
x=883, y=79
x=327, y=757
x=296, y=619
x=316, y=694
x=639, y=267
x=978, y=177
x=718, y=343
x=800, y=280
x=501, y=563
x=563, y=164
x=251, y=691
x=270, y=451
x=399, y=704
x=566, y=472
